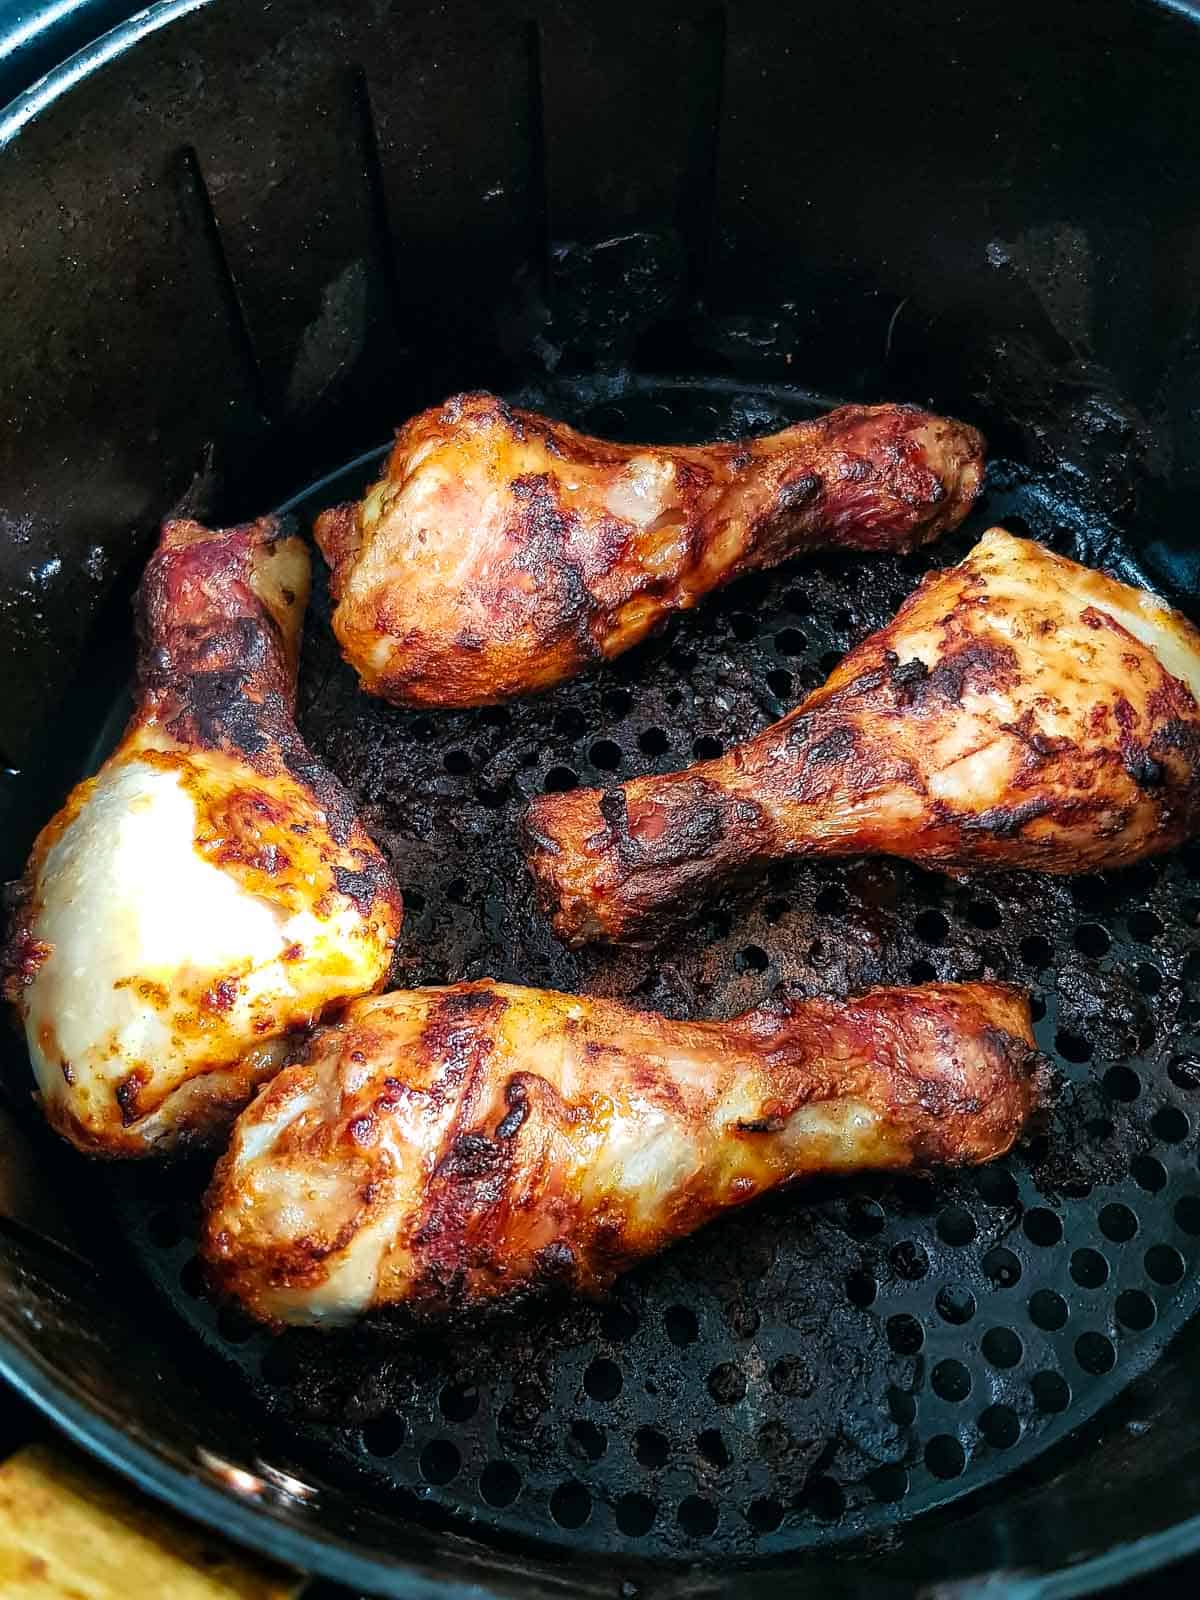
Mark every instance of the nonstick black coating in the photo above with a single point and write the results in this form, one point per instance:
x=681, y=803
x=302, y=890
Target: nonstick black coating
x=235, y=255
x=840, y=1358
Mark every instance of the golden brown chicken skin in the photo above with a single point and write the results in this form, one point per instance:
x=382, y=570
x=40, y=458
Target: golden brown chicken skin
x=211, y=888
x=502, y=552
x=1020, y=711
x=451, y=1148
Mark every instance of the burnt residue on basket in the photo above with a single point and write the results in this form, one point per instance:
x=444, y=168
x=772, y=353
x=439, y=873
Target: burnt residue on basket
x=833, y=1359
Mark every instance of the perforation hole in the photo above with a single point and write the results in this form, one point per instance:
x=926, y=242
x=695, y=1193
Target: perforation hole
x=706, y=748
x=439, y=1462
x=570, y=1505
x=559, y=780
x=823, y=1499
x=1047, y=1310
x=773, y=1440
x=1001, y=1348
x=1036, y=952
x=945, y=1456
x=1117, y=1222
x=751, y=958
x=831, y=902
x=727, y=1384
x=588, y=1439
x=499, y=1483
x=888, y=1484
x=383, y=1436
x=905, y=1334
x=1149, y=979
x=1089, y=1269
x=605, y=755
x=1170, y=1125
x=779, y=682
x=1144, y=926
x=651, y=1448
x=1122, y=1084
x=1135, y=1310
x=951, y=1381
x=713, y=1448
x=458, y=1401
x=1000, y=1426
x=903, y=1407
x=635, y=1514
x=764, y=1515
x=618, y=1322
x=653, y=742
x=791, y=1376
x=617, y=703
x=790, y=642
x=909, y=1261
x=1095, y=1354
x=983, y=913
x=192, y=1280
x=1042, y=1227
x=1051, y=1393
x=997, y=1187
x=602, y=1380
x=955, y=1304
x=1092, y=940
x=956, y=1226
x=696, y=1517
x=931, y=927
x=457, y=763
x=1164, y=1264
x=681, y=1325
x=1002, y=1268
x=1148, y=1173
x=1187, y=1214
x=864, y=1218
x=1072, y=1046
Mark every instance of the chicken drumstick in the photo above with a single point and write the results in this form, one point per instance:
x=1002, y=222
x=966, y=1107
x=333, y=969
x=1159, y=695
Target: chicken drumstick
x=210, y=888
x=1020, y=711
x=502, y=552
x=450, y=1148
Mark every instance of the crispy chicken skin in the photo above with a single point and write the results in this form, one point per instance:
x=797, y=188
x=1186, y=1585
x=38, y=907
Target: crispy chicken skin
x=501, y=552
x=210, y=888
x=1020, y=711
x=452, y=1148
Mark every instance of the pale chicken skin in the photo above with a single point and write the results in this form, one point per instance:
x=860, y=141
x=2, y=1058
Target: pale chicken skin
x=502, y=552
x=211, y=888
x=1020, y=711
x=451, y=1149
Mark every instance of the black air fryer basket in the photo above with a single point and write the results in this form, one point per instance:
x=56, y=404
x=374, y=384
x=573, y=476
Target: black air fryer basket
x=240, y=242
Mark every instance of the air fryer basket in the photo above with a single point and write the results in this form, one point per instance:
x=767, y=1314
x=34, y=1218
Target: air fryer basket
x=240, y=243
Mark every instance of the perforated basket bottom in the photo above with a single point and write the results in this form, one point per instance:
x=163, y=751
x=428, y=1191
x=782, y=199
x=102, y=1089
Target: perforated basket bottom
x=833, y=1359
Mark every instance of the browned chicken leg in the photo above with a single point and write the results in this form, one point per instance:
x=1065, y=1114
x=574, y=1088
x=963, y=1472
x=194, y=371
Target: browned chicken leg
x=449, y=1148
x=1021, y=711
x=502, y=552
x=210, y=889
